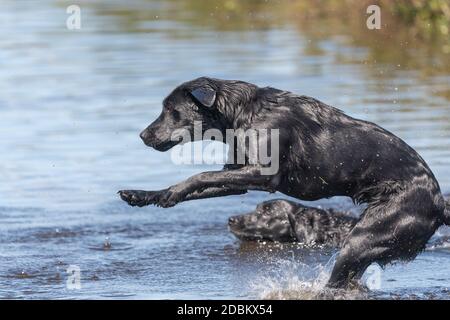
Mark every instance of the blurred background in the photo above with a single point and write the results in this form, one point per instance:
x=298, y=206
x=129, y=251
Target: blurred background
x=72, y=103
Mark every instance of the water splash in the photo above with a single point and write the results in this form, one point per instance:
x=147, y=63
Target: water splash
x=294, y=280
x=107, y=245
x=440, y=242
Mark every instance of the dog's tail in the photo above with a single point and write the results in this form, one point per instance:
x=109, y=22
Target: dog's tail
x=447, y=212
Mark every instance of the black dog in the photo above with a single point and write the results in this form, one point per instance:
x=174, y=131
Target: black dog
x=323, y=153
x=287, y=221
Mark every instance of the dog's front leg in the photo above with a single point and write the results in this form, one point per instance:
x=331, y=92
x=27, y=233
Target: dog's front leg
x=213, y=192
x=143, y=198
x=204, y=185
x=246, y=178
x=140, y=198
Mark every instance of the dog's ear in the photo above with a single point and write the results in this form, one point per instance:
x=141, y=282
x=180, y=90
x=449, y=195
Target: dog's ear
x=205, y=95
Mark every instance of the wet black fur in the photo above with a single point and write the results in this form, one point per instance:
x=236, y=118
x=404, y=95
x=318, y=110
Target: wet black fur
x=287, y=221
x=323, y=153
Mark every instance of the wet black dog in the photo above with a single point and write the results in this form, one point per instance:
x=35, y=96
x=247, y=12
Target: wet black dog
x=323, y=153
x=287, y=221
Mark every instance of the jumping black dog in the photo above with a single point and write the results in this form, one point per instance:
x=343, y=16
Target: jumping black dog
x=287, y=221
x=323, y=153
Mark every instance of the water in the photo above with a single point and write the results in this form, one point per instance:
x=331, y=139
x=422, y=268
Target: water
x=73, y=102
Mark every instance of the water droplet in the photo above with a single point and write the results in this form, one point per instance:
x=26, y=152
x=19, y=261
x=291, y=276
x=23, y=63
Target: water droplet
x=107, y=244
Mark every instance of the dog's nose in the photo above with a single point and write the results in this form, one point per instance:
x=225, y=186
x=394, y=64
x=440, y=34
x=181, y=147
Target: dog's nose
x=143, y=135
x=232, y=220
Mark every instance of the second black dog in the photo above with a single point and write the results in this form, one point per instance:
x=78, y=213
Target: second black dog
x=287, y=221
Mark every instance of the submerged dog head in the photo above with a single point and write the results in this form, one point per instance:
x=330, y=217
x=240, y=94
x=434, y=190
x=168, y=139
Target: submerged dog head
x=286, y=221
x=269, y=221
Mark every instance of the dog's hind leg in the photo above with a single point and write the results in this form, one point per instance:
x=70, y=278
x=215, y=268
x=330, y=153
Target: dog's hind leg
x=394, y=228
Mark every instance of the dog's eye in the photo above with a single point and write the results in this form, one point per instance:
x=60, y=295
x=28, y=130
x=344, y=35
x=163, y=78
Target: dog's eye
x=175, y=115
x=172, y=112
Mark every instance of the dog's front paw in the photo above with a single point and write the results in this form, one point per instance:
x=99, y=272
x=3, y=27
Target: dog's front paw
x=163, y=198
x=134, y=197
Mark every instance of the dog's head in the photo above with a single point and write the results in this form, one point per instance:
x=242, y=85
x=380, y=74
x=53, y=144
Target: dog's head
x=191, y=102
x=269, y=221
